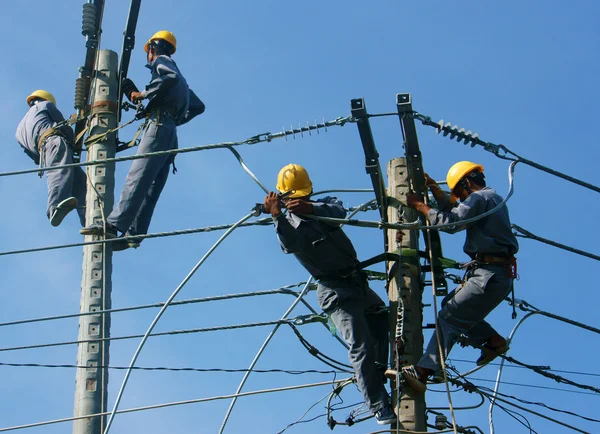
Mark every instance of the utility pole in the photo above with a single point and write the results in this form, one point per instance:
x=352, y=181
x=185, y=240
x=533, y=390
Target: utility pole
x=96, y=284
x=405, y=292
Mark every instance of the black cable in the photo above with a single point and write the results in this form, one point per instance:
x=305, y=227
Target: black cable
x=171, y=369
x=522, y=233
x=540, y=404
x=521, y=367
x=555, y=377
x=320, y=356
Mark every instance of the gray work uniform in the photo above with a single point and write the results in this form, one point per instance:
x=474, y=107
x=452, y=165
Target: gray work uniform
x=171, y=103
x=486, y=285
x=56, y=151
x=356, y=310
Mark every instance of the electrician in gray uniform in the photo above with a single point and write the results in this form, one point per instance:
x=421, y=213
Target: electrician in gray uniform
x=171, y=103
x=491, y=245
x=49, y=146
x=343, y=291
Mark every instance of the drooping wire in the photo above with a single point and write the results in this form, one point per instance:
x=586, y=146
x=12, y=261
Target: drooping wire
x=164, y=308
x=270, y=336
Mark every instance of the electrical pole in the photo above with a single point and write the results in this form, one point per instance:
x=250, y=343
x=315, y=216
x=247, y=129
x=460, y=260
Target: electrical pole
x=96, y=284
x=405, y=291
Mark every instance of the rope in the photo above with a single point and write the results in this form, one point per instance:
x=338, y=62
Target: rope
x=172, y=404
x=437, y=330
x=259, y=138
x=522, y=233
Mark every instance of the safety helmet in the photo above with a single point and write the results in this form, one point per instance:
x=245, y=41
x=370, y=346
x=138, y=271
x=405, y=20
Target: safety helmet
x=294, y=177
x=458, y=172
x=162, y=35
x=43, y=94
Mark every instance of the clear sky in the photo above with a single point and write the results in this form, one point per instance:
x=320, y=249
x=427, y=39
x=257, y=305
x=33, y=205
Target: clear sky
x=519, y=73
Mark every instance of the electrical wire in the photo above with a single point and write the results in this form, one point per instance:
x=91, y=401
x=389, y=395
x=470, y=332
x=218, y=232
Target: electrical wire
x=172, y=369
x=281, y=290
x=164, y=308
x=260, y=352
x=267, y=221
x=270, y=336
x=522, y=233
x=470, y=387
x=416, y=224
x=259, y=138
x=171, y=404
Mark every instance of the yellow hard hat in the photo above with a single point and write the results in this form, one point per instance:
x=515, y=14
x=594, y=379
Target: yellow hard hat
x=294, y=177
x=458, y=172
x=164, y=35
x=43, y=94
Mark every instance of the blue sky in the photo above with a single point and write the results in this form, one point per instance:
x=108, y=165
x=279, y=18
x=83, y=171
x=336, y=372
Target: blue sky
x=519, y=73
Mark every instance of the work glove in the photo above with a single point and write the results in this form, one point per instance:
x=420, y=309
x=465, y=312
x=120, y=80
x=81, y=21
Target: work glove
x=128, y=88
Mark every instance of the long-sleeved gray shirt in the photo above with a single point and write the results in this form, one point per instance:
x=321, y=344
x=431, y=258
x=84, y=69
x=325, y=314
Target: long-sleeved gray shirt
x=322, y=248
x=492, y=234
x=38, y=119
x=169, y=90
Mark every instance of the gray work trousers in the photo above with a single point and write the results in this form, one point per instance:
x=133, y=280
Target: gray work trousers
x=356, y=312
x=146, y=178
x=464, y=309
x=63, y=183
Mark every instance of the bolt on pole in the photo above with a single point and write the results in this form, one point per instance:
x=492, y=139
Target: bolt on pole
x=96, y=284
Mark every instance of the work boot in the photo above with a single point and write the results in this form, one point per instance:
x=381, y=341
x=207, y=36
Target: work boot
x=489, y=352
x=121, y=244
x=62, y=209
x=98, y=230
x=414, y=379
x=385, y=416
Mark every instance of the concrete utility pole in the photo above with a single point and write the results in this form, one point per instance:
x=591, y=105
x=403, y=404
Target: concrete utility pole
x=96, y=283
x=406, y=282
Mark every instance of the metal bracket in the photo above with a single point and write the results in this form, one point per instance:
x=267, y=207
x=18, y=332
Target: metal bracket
x=414, y=163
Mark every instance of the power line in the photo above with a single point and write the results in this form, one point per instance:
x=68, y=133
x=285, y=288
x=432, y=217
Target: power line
x=522, y=233
x=266, y=221
x=172, y=404
x=281, y=290
x=470, y=387
x=172, y=369
x=259, y=138
x=499, y=151
x=541, y=404
x=522, y=367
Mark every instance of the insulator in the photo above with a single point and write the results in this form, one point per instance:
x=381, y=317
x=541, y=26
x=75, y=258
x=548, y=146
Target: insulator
x=81, y=92
x=88, y=27
x=454, y=132
x=441, y=421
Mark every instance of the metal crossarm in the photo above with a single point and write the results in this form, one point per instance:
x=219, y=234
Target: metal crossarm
x=359, y=114
x=414, y=162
